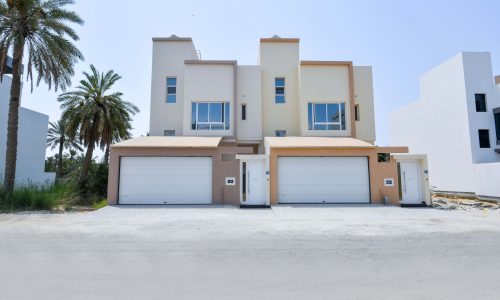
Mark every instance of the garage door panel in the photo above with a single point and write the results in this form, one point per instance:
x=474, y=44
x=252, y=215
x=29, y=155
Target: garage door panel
x=165, y=180
x=323, y=180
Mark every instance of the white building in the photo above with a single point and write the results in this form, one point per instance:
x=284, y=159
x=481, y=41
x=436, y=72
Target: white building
x=456, y=123
x=32, y=141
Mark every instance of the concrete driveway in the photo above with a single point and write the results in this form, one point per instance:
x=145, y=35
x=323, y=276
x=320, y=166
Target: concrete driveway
x=288, y=252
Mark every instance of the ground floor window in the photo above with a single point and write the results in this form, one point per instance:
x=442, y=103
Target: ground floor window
x=326, y=116
x=484, y=138
x=210, y=115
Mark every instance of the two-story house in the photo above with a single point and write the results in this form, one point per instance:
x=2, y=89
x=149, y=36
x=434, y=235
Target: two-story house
x=456, y=122
x=284, y=130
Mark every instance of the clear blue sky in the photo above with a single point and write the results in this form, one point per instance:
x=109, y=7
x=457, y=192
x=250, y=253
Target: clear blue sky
x=400, y=39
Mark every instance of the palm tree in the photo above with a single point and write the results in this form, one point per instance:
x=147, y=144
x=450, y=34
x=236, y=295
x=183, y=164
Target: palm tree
x=58, y=137
x=98, y=116
x=39, y=28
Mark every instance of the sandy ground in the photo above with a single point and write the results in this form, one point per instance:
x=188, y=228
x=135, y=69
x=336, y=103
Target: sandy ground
x=288, y=252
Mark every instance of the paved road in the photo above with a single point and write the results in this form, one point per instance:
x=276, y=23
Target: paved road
x=332, y=252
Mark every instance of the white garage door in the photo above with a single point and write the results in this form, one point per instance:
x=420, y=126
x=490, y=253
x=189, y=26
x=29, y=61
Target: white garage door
x=323, y=180
x=165, y=180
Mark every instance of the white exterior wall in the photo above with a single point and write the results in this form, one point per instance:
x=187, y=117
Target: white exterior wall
x=478, y=77
x=208, y=83
x=32, y=141
x=324, y=84
x=280, y=60
x=486, y=179
x=168, y=61
x=249, y=93
x=363, y=95
x=444, y=122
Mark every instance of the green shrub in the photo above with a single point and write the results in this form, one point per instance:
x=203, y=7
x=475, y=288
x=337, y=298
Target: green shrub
x=32, y=197
x=100, y=204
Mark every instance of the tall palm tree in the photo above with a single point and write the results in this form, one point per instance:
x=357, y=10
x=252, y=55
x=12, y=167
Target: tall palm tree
x=58, y=137
x=97, y=115
x=39, y=28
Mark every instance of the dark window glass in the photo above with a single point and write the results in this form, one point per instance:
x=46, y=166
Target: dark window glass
x=169, y=132
x=384, y=157
x=171, y=89
x=279, y=86
x=333, y=113
x=497, y=125
x=171, y=81
x=279, y=99
x=243, y=112
x=280, y=91
x=356, y=112
x=280, y=133
x=484, y=138
x=202, y=112
x=480, y=102
x=215, y=112
x=342, y=115
x=320, y=113
x=279, y=81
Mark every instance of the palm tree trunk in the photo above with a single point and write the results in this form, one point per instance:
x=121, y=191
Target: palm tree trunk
x=60, y=158
x=13, y=122
x=86, y=165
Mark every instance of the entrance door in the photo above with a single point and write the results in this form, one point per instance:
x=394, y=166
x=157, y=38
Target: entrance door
x=253, y=189
x=410, y=182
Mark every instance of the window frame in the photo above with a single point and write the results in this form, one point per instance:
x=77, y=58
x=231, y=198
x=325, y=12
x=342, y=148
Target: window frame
x=276, y=86
x=167, y=100
x=484, y=146
x=479, y=108
x=312, y=124
x=225, y=116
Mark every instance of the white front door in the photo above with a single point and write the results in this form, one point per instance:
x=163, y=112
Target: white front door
x=253, y=189
x=410, y=182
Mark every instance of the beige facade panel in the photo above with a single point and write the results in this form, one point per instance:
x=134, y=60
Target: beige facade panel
x=316, y=142
x=280, y=60
x=363, y=95
x=249, y=96
x=168, y=61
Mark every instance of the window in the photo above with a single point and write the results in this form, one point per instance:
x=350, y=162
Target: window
x=280, y=133
x=169, y=132
x=210, y=116
x=171, y=89
x=484, y=138
x=497, y=123
x=243, y=112
x=279, y=86
x=384, y=157
x=326, y=116
x=356, y=112
x=480, y=102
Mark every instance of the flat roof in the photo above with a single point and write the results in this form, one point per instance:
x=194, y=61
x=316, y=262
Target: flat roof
x=210, y=62
x=279, y=40
x=324, y=63
x=172, y=39
x=170, y=142
x=316, y=142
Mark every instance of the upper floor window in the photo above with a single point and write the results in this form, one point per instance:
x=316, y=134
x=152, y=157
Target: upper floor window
x=210, y=115
x=356, y=112
x=480, y=102
x=326, y=116
x=243, y=112
x=169, y=132
x=279, y=86
x=280, y=133
x=497, y=123
x=484, y=138
x=171, y=89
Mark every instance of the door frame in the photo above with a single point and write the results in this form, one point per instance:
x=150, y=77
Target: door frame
x=403, y=180
x=264, y=159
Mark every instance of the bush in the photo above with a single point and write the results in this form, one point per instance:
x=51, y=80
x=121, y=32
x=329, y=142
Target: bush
x=32, y=197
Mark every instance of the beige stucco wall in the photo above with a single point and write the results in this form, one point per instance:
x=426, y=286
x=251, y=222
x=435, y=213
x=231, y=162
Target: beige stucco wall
x=168, y=60
x=363, y=90
x=280, y=59
x=208, y=83
x=324, y=84
x=249, y=93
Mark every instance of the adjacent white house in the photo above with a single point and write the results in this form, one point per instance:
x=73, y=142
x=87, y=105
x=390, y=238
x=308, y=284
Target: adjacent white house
x=456, y=122
x=32, y=141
